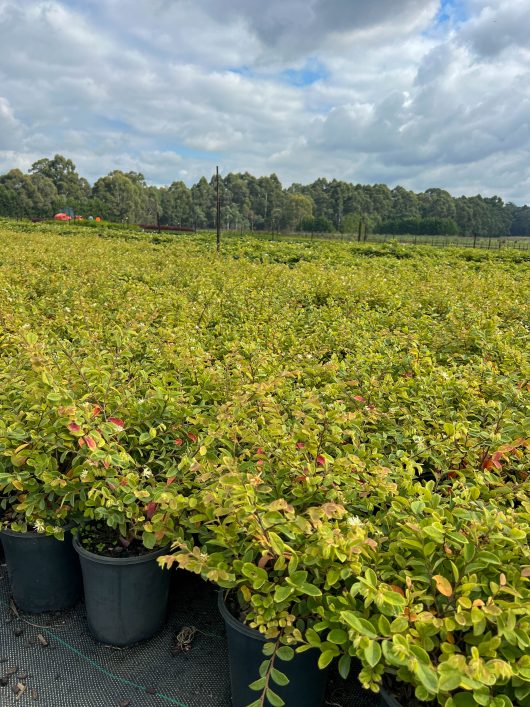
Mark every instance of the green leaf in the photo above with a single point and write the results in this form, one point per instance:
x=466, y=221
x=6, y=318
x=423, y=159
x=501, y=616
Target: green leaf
x=282, y=593
x=297, y=579
x=337, y=636
x=428, y=677
x=344, y=666
x=279, y=678
x=372, y=653
x=149, y=540
x=258, y=684
x=310, y=589
x=277, y=543
x=463, y=699
x=359, y=624
x=384, y=626
x=399, y=625
x=325, y=659
x=285, y=653
x=312, y=637
x=449, y=679
x=274, y=699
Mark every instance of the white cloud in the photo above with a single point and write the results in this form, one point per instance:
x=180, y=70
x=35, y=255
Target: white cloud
x=172, y=87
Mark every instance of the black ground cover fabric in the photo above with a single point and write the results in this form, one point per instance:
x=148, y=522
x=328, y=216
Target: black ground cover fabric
x=73, y=670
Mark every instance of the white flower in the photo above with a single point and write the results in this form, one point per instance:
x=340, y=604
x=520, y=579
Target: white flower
x=354, y=521
x=147, y=473
x=39, y=526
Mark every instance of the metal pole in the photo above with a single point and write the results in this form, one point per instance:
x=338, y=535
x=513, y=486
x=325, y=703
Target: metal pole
x=218, y=210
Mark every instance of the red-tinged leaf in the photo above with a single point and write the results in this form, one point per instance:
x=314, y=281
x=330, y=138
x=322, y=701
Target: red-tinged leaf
x=81, y=442
x=74, y=427
x=320, y=460
x=150, y=509
x=90, y=443
x=264, y=560
x=178, y=442
x=106, y=464
x=359, y=398
x=192, y=436
x=96, y=410
x=259, y=450
x=300, y=445
x=170, y=480
x=123, y=482
x=116, y=421
x=452, y=475
x=195, y=467
x=525, y=572
x=300, y=478
x=259, y=462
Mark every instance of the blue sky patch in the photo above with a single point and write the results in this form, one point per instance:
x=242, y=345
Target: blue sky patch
x=311, y=72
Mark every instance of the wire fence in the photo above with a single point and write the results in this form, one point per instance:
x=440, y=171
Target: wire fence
x=487, y=243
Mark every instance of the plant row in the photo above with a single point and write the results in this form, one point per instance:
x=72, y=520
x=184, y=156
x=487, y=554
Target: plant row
x=339, y=441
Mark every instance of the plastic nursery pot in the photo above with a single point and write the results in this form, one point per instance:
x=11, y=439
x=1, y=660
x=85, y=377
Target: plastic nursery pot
x=307, y=683
x=43, y=572
x=126, y=597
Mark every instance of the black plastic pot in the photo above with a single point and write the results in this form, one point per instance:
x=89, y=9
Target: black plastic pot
x=307, y=683
x=126, y=597
x=44, y=572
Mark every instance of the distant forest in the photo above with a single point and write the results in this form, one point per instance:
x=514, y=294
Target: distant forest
x=255, y=203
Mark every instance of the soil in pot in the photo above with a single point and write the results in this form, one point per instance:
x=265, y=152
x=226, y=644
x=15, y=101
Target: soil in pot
x=307, y=684
x=126, y=595
x=44, y=572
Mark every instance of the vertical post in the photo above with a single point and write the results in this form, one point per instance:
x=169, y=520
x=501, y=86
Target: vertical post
x=360, y=230
x=475, y=241
x=218, y=210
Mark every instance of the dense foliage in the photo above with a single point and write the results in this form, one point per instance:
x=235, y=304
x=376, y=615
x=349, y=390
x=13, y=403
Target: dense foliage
x=337, y=433
x=256, y=203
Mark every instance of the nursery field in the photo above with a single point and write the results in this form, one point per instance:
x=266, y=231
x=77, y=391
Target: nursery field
x=339, y=432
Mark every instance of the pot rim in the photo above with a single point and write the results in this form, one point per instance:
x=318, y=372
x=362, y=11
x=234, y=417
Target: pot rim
x=104, y=560
x=33, y=534
x=235, y=623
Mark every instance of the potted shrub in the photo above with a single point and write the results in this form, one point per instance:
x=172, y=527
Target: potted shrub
x=39, y=488
x=123, y=534
x=276, y=558
x=442, y=613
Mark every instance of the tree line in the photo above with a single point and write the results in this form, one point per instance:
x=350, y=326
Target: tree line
x=256, y=203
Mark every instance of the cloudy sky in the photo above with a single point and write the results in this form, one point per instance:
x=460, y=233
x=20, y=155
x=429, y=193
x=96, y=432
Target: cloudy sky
x=421, y=93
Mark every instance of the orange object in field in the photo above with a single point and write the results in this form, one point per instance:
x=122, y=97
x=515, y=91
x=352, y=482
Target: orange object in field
x=98, y=218
x=62, y=217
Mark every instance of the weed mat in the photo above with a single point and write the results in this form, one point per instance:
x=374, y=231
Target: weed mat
x=73, y=670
